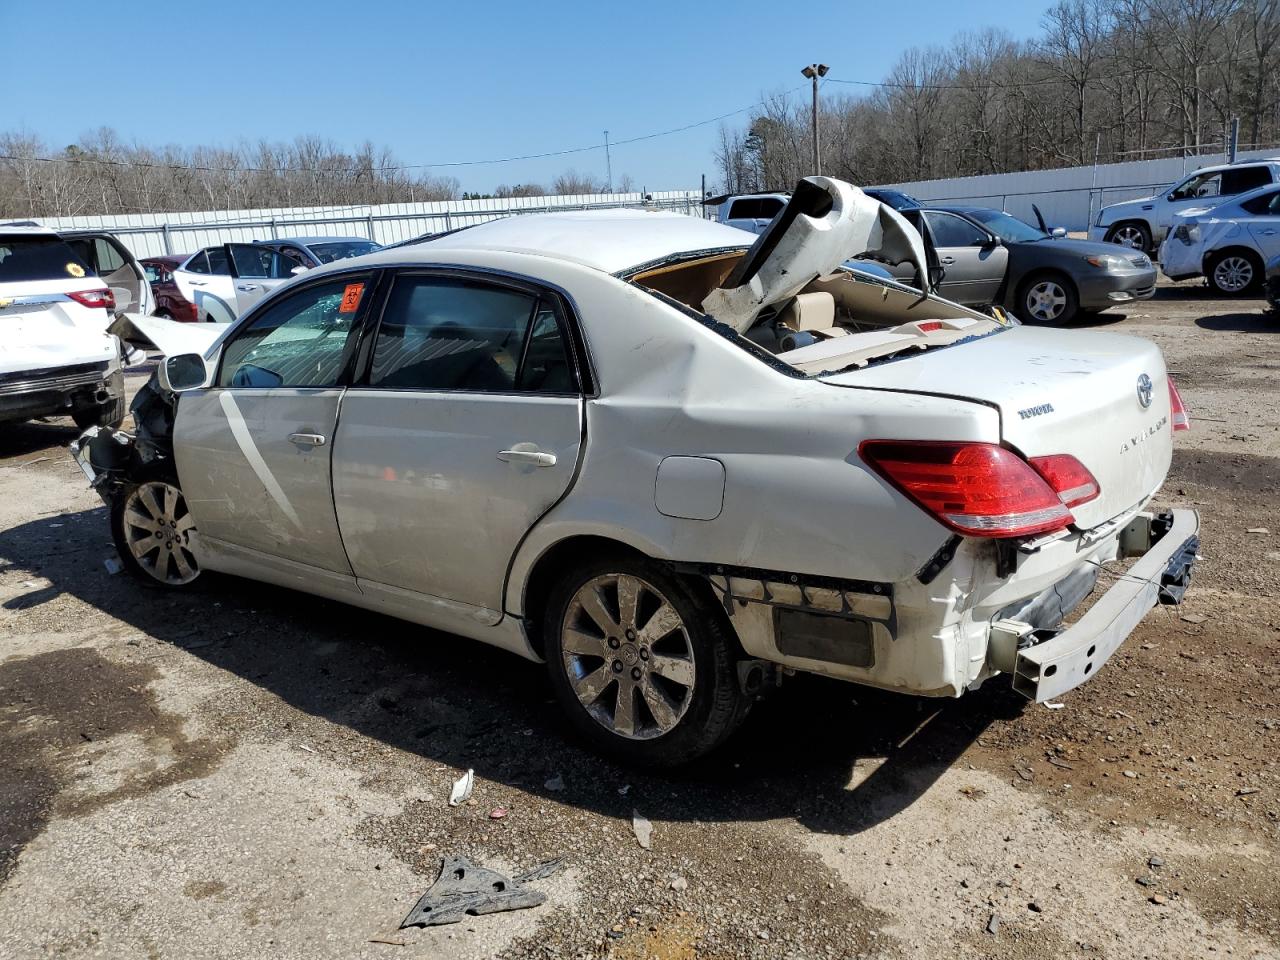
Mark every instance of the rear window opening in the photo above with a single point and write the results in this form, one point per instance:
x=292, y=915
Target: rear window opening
x=842, y=321
x=25, y=258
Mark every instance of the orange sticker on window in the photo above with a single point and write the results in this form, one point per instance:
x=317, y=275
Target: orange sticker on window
x=351, y=298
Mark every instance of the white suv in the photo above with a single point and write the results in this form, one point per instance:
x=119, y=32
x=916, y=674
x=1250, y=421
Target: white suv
x=1144, y=223
x=58, y=358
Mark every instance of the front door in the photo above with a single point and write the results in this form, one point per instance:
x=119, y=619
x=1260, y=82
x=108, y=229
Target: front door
x=256, y=270
x=253, y=449
x=973, y=263
x=465, y=430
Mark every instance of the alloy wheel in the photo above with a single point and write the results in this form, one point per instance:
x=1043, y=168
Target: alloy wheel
x=1130, y=236
x=1233, y=274
x=1046, y=300
x=628, y=656
x=158, y=528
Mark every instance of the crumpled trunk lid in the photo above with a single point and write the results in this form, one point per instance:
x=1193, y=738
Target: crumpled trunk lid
x=1058, y=391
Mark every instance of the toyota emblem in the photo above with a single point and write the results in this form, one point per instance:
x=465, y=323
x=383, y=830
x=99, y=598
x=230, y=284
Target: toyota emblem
x=1144, y=391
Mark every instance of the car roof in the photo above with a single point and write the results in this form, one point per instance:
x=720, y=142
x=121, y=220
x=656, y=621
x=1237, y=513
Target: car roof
x=168, y=259
x=965, y=208
x=307, y=241
x=26, y=229
x=608, y=240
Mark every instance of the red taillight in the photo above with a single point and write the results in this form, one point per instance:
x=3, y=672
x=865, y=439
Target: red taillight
x=978, y=489
x=1178, y=415
x=1069, y=478
x=94, y=298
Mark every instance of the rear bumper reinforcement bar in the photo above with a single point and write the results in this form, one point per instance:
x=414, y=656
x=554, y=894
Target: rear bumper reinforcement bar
x=1049, y=669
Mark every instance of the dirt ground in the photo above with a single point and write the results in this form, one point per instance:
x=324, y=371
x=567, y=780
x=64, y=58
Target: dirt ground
x=248, y=772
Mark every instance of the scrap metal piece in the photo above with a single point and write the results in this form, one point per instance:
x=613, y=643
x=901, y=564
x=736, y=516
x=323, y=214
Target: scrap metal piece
x=464, y=889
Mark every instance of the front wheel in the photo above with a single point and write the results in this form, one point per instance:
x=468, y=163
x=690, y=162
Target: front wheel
x=1131, y=234
x=642, y=663
x=1048, y=298
x=1233, y=273
x=153, y=530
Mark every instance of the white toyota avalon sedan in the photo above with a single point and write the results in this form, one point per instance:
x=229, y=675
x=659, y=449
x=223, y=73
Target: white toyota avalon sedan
x=672, y=460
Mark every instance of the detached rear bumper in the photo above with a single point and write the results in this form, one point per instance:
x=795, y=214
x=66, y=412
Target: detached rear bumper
x=1168, y=544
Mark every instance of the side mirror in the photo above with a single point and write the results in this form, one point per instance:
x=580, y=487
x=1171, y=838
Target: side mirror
x=183, y=371
x=299, y=269
x=1058, y=232
x=991, y=242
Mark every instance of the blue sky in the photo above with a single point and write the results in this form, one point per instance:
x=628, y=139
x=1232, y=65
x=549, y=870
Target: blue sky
x=453, y=81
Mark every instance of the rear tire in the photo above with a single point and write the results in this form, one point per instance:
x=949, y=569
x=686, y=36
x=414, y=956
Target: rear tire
x=153, y=531
x=1234, y=273
x=642, y=662
x=109, y=414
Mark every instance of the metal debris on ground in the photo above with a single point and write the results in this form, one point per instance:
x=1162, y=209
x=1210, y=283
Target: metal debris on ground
x=464, y=889
x=642, y=828
x=462, y=788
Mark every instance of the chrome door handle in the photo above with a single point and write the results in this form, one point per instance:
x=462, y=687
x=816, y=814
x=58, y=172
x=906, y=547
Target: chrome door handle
x=307, y=439
x=1268, y=233
x=247, y=287
x=199, y=283
x=533, y=457
x=947, y=260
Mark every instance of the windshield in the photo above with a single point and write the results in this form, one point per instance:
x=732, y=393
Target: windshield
x=1008, y=227
x=38, y=258
x=342, y=249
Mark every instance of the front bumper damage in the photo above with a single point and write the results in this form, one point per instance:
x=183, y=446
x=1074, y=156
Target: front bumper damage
x=1050, y=662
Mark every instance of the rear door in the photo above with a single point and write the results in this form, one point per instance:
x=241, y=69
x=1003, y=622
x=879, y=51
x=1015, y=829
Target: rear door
x=465, y=429
x=205, y=281
x=253, y=449
x=1264, y=224
x=256, y=270
x=973, y=263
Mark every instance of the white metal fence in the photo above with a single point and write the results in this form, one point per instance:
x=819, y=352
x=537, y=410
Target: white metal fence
x=156, y=234
x=1069, y=197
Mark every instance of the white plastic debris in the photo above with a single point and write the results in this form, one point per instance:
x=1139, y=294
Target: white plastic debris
x=1054, y=706
x=462, y=787
x=642, y=828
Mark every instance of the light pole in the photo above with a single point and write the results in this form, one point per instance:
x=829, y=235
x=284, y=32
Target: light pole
x=813, y=72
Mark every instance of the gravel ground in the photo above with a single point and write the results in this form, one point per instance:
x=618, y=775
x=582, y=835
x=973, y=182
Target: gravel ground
x=246, y=772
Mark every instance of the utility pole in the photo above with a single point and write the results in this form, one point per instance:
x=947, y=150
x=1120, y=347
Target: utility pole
x=608, y=165
x=813, y=72
x=1233, y=140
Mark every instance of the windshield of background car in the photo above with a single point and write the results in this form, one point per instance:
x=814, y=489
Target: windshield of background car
x=341, y=250
x=1007, y=227
x=38, y=258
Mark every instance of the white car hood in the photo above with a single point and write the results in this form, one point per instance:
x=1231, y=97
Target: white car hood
x=170, y=337
x=825, y=223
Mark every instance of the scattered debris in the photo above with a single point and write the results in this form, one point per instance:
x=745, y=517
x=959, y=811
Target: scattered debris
x=1144, y=881
x=392, y=943
x=1247, y=791
x=642, y=828
x=497, y=813
x=1060, y=764
x=1155, y=862
x=1024, y=773
x=993, y=925
x=1035, y=907
x=113, y=565
x=555, y=784
x=679, y=883
x=1131, y=774
x=1262, y=530
x=464, y=889
x=462, y=788
x=1158, y=900
x=1054, y=705
x=1194, y=618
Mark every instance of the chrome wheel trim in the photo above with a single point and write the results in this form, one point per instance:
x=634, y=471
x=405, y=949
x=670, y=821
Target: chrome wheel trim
x=158, y=529
x=1233, y=274
x=1130, y=237
x=628, y=656
x=1046, y=300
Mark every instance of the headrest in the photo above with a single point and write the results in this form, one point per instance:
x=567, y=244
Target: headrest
x=810, y=311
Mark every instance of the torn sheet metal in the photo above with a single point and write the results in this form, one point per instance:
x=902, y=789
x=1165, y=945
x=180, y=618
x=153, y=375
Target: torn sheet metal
x=464, y=889
x=170, y=337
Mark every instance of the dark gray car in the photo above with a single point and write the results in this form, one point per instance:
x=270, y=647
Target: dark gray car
x=988, y=257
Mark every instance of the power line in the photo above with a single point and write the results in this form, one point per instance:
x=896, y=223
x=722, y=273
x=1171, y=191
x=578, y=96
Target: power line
x=444, y=164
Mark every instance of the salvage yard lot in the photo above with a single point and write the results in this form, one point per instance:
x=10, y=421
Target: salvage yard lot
x=251, y=772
